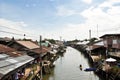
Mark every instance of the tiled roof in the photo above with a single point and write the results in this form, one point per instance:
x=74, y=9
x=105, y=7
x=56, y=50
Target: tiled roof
x=28, y=44
x=9, y=51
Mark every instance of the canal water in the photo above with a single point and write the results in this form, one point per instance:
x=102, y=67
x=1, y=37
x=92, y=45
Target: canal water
x=67, y=67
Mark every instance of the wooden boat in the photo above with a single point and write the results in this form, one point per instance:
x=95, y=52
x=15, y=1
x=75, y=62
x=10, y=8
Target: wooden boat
x=90, y=69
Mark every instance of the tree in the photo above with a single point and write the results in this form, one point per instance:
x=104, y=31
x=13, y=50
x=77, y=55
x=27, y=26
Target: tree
x=92, y=40
x=51, y=41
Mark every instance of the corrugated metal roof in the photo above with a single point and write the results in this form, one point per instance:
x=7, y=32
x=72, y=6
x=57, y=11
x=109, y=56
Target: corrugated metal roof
x=8, y=64
x=3, y=56
x=44, y=50
x=99, y=43
x=83, y=43
x=4, y=48
x=95, y=45
x=110, y=35
x=28, y=44
x=9, y=51
x=10, y=59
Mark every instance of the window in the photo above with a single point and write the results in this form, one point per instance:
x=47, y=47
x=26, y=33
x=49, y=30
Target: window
x=114, y=41
x=105, y=42
x=119, y=41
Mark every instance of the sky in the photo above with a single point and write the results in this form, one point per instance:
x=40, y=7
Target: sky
x=55, y=19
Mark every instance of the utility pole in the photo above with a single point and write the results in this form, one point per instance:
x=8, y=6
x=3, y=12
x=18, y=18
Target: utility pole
x=41, y=55
x=90, y=40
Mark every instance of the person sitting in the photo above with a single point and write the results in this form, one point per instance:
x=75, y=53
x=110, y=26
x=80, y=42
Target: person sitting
x=80, y=67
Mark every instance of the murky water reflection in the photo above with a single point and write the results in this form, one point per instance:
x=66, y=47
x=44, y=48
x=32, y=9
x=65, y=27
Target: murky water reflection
x=67, y=67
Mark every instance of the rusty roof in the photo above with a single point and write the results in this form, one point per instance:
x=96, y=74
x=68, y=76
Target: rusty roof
x=9, y=51
x=44, y=50
x=10, y=59
x=28, y=44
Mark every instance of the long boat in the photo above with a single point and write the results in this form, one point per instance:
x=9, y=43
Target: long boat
x=90, y=69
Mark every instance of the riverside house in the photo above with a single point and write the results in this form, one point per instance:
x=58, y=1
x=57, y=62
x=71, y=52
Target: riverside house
x=13, y=64
x=30, y=48
x=5, y=40
x=41, y=55
x=96, y=50
x=112, y=43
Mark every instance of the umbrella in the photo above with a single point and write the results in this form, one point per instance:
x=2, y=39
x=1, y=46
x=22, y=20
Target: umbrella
x=110, y=60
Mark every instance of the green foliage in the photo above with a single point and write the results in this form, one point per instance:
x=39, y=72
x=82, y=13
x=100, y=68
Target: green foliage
x=51, y=41
x=115, y=69
x=93, y=39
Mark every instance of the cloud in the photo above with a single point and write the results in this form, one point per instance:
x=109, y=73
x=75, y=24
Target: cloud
x=70, y=31
x=12, y=26
x=87, y=1
x=106, y=15
x=20, y=28
x=73, y=31
x=107, y=20
x=104, y=18
x=62, y=11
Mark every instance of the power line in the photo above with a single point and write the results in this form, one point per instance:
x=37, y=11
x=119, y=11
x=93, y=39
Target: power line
x=11, y=33
x=16, y=34
x=18, y=30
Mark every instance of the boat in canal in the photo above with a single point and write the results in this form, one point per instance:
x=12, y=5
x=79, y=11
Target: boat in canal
x=90, y=69
x=68, y=67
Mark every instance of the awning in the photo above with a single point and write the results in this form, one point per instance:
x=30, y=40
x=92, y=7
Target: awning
x=110, y=60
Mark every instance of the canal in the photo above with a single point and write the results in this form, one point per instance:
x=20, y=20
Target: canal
x=67, y=67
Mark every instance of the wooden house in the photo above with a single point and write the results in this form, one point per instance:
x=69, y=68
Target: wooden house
x=98, y=47
x=12, y=63
x=5, y=40
x=30, y=48
x=111, y=41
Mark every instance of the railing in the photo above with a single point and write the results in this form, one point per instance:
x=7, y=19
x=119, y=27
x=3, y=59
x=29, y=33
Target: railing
x=117, y=54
